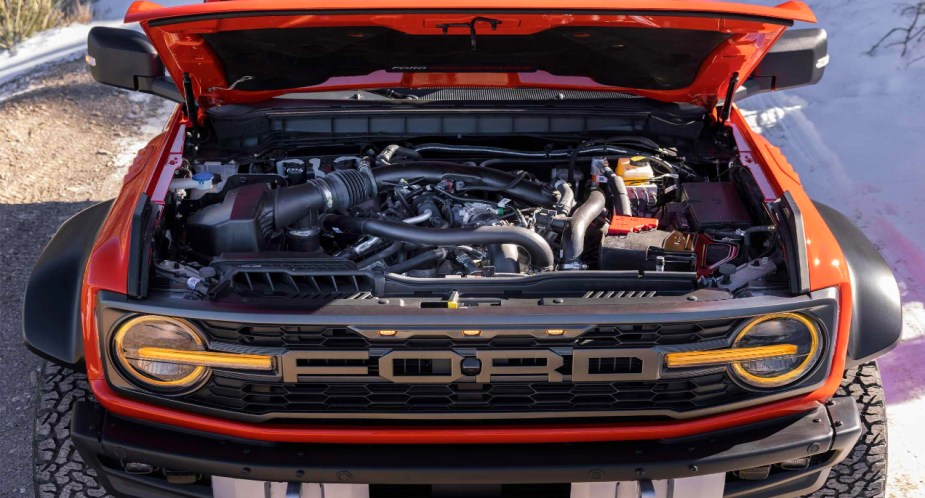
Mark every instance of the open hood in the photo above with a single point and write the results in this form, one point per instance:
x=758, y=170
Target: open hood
x=669, y=50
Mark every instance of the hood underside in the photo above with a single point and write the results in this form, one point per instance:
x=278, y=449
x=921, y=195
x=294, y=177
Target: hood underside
x=668, y=50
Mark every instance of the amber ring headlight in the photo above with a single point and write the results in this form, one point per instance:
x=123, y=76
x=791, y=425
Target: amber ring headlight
x=168, y=354
x=159, y=332
x=796, y=331
x=770, y=351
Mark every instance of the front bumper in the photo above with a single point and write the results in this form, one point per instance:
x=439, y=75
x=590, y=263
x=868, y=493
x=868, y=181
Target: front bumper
x=826, y=433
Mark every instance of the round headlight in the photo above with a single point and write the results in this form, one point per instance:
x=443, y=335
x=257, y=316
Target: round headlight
x=790, y=329
x=158, y=332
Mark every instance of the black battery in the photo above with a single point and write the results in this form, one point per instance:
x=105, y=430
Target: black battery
x=715, y=205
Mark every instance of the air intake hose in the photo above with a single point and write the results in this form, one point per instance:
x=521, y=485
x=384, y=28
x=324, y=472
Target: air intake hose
x=573, y=240
x=336, y=191
x=541, y=256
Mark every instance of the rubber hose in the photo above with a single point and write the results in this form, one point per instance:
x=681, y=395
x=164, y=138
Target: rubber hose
x=541, y=255
x=432, y=257
x=567, y=198
x=573, y=240
x=621, y=200
x=336, y=191
x=393, y=248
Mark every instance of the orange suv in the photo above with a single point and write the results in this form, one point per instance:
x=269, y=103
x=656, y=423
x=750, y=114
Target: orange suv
x=405, y=249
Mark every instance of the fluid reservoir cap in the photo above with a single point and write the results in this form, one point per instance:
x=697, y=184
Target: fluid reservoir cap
x=204, y=177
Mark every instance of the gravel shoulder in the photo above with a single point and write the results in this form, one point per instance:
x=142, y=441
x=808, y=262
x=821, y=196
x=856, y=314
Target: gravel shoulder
x=66, y=143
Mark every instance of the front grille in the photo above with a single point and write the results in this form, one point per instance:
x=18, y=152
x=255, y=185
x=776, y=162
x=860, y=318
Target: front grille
x=417, y=383
x=341, y=338
x=256, y=398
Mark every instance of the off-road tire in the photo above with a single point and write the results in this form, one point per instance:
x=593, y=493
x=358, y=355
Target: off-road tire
x=863, y=472
x=58, y=470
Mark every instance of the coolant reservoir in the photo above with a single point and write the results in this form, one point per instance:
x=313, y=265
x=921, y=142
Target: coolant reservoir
x=635, y=170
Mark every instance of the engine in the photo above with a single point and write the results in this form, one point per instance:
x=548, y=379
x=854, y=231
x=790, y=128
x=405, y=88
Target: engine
x=440, y=211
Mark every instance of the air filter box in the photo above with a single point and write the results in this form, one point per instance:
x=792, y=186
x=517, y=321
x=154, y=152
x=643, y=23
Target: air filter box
x=715, y=205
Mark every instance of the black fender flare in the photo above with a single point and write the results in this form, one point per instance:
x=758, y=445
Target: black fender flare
x=51, y=308
x=876, y=312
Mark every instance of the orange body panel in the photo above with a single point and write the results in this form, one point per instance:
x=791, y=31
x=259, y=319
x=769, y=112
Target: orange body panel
x=107, y=271
x=753, y=30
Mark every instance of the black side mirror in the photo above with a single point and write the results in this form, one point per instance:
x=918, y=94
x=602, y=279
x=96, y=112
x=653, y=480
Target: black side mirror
x=797, y=59
x=127, y=59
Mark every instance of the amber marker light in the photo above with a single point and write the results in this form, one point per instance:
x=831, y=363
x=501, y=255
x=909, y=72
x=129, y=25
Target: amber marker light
x=727, y=356
x=207, y=359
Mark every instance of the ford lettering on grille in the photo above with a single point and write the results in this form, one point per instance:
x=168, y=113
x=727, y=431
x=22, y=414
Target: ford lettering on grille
x=478, y=366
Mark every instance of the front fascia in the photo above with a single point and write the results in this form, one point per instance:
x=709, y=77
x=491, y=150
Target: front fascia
x=520, y=317
x=526, y=432
x=177, y=33
x=107, y=271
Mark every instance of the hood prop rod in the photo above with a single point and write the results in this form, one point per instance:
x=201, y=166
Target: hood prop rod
x=727, y=104
x=190, y=104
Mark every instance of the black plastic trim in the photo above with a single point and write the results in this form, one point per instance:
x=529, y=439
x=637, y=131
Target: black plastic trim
x=300, y=12
x=876, y=309
x=142, y=236
x=97, y=434
x=51, y=308
x=795, y=242
x=792, y=62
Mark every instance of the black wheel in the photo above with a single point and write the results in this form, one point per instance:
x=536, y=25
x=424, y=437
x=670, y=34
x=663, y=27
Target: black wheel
x=863, y=473
x=58, y=470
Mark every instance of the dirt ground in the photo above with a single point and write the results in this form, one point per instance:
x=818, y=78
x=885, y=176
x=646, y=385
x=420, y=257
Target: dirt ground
x=65, y=143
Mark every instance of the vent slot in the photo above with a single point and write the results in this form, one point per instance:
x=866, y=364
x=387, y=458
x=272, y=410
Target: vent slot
x=617, y=294
x=285, y=284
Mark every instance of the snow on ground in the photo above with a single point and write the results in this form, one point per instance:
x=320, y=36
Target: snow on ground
x=858, y=142
x=65, y=43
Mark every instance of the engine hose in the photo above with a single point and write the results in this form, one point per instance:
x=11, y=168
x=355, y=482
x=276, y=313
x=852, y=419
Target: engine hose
x=617, y=187
x=621, y=201
x=432, y=257
x=434, y=171
x=336, y=191
x=541, y=256
x=393, y=248
x=385, y=157
x=567, y=198
x=573, y=240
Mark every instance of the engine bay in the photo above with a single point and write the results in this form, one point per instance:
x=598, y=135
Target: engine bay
x=601, y=215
